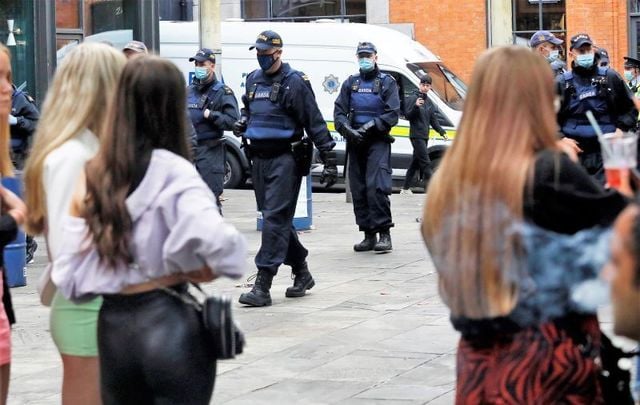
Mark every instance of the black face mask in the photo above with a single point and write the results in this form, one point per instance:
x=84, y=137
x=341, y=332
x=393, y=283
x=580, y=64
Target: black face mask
x=266, y=61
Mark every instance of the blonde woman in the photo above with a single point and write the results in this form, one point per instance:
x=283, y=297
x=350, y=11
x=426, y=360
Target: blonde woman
x=504, y=168
x=14, y=213
x=73, y=114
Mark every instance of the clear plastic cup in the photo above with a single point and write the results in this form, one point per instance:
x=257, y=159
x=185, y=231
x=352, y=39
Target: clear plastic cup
x=619, y=155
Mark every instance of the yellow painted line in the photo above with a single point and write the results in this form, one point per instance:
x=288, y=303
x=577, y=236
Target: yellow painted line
x=403, y=132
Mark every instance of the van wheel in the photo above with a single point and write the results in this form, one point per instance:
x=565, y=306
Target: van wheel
x=232, y=172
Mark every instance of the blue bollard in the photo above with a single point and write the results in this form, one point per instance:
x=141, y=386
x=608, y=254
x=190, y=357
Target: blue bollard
x=15, y=252
x=303, y=217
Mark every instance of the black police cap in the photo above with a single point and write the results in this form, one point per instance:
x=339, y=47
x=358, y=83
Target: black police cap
x=204, y=54
x=267, y=40
x=630, y=62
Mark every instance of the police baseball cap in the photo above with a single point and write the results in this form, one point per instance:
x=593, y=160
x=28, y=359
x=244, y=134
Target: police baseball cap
x=604, y=55
x=543, y=36
x=581, y=39
x=204, y=54
x=267, y=40
x=135, y=46
x=366, y=47
x=630, y=62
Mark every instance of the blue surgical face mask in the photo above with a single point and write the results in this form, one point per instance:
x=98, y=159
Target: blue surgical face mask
x=628, y=75
x=553, y=55
x=201, y=73
x=266, y=61
x=366, y=64
x=585, y=60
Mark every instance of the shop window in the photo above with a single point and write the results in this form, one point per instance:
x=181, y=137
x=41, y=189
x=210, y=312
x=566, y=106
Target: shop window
x=304, y=10
x=530, y=16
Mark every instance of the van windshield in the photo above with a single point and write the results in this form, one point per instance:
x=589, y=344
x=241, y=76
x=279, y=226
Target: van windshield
x=449, y=87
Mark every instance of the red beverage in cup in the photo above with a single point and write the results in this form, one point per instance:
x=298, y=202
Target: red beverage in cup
x=616, y=175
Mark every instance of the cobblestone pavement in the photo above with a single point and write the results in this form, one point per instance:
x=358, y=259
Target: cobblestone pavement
x=372, y=330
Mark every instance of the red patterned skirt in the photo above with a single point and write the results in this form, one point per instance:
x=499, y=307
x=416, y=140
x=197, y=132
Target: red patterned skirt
x=541, y=365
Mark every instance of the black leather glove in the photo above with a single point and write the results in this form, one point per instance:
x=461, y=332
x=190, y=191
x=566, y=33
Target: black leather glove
x=351, y=135
x=215, y=116
x=240, y=126
x=367, y=128
x=330, y=171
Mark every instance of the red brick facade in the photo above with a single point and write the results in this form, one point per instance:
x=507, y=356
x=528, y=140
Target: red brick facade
x=456, y=30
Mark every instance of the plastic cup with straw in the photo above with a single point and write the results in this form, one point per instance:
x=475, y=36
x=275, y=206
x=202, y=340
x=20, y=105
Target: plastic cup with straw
x=619, y=155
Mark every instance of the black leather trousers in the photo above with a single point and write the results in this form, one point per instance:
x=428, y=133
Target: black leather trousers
x=153, y=350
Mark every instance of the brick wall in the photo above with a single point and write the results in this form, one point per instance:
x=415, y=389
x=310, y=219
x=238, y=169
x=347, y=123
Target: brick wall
x=605, y=21
x=453, y=30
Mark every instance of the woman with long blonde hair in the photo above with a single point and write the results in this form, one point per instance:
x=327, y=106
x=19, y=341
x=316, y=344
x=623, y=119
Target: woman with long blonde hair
x=13, y=214
x=503, y=169
x=72, y=118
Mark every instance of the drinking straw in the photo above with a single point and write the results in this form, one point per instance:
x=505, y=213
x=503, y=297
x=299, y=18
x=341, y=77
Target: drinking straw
x=594, y=123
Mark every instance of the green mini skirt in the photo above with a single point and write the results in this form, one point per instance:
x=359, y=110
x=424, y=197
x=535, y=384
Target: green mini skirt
x=74, y=327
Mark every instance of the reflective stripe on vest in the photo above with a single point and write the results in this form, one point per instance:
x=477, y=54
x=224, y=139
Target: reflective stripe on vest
x=588, y=96
x=366, y=101
x=204, y=128
x=268, y=120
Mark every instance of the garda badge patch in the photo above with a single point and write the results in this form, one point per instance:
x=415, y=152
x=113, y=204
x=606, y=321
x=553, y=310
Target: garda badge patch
x=331, y=84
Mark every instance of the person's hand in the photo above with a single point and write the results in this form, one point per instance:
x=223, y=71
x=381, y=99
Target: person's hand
x=330, y=170
x=444, y=136
x=570, y=147
x=367, y=128
x=351, y=135
x=240, y=126
x=13, y=205
x=419, y=102
x=13, y=120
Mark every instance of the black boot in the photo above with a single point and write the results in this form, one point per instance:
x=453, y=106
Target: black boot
x=259, y=295
x=384, y=243
x=302, y=281
x=368, y=243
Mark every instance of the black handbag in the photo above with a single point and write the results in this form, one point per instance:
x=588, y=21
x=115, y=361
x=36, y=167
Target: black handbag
x=223, y=334
x=615, y=381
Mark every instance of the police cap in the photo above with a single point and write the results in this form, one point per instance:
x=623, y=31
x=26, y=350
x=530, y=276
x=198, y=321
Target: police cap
x=366, y=48
x=630, y=62
x=580, y=39
x=267, y=40
x=541, y=37
x=204, y=54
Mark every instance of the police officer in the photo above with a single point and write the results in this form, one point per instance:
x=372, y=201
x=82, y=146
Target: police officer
x=602, y=55
x=548, y=45
x=365, y=111
x=632, y=74
x=22, y=123
x=422, y=114
x=213, y=109
x=279, y=105
x=601, y=90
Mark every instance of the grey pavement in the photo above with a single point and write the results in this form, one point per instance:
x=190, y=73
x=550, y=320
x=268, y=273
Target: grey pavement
x=373, y=329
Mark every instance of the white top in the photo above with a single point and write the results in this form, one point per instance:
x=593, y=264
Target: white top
x=176, y=229
x=62, y=167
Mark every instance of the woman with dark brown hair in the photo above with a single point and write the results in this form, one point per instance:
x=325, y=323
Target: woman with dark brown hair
x=153, y=226
x=504, y=169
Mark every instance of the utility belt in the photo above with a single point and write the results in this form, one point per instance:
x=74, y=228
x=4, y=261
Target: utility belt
x=212, y=143
x=301, y=150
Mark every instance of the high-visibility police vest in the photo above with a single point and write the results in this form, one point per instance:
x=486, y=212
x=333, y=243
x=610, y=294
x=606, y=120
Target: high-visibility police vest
x=366, y=99
x=268, y=120
x=593, y=96
x=196, y=104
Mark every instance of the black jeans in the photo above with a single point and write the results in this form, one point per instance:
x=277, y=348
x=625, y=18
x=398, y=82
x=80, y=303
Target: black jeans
x=153, y=350
x=419, y=161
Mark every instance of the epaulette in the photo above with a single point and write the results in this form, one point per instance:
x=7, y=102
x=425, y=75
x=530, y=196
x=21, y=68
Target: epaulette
x=227, y=90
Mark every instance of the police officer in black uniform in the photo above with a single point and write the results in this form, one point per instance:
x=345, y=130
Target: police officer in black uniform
x=279, y=105
x=589, y=87
x=213, y=109
x=22, y=125
x=365, y=111
x=548, y=45
x=422, y=114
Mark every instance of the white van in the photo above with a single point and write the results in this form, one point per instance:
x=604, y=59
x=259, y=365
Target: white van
x=325, y=51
